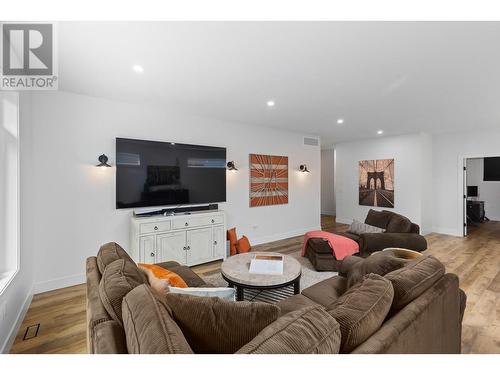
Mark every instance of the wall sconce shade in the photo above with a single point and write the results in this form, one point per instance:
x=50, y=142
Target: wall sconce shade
x=303, y=168
x=103, y=161
x=231, y=166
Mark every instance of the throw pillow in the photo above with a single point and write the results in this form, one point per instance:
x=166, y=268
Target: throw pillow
x=224, y=293
x=119, y=278
x=213, y=325
x=110, y=252
x=149, y=327
x=378, y=219
x=158, y=272
x=243, y=245
x=411, y=281
x=361, y=310
x=379, y=263
x=310, y=330
x=360, y=228
x=399, y=224
x=233, y=240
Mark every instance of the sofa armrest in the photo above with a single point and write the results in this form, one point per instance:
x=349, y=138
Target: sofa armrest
x=347, y=264
x=371, y=242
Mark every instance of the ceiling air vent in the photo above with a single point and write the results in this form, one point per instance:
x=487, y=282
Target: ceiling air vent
x=308, y=141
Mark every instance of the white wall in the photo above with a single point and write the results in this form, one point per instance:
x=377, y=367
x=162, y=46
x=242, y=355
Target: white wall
x=17, y=296
x=489, y=191
x=327, y=182
x=449, y=151
x=75, y=202
x=411, y=170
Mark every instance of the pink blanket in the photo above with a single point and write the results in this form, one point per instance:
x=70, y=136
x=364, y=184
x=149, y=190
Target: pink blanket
x=341, y=246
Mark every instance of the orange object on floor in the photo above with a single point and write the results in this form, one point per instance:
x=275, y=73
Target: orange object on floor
x=233, y=241
x=243, y=245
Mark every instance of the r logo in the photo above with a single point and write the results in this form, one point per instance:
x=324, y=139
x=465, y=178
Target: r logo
x=27, y=49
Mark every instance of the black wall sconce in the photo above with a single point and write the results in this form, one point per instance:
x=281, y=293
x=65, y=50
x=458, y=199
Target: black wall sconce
x=231, y=166
x=103, y=159
x=303, y=168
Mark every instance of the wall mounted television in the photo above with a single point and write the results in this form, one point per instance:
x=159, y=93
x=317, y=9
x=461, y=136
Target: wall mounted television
x=491, y=170
x=151, y=173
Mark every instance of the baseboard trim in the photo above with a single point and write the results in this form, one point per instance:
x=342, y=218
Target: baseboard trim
x=282, y=236
x=11, y=337
x=59, y=283
x=330, y=213
x=447, y=231
x=341, y=220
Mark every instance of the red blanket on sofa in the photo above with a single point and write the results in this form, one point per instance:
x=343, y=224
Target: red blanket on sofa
x=341, y=246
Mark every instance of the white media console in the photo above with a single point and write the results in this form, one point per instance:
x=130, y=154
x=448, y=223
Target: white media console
x=190, y=239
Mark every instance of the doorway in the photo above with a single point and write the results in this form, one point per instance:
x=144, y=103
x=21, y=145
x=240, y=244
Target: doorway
x=481, y=192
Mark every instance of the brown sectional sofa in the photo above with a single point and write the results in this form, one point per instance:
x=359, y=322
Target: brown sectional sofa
x=414, y=308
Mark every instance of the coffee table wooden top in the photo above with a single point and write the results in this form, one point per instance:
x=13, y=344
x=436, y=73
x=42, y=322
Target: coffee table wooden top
x=235, y=269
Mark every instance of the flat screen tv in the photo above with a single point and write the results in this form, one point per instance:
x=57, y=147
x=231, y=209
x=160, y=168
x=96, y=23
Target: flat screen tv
x=150, y=173
x=491, y=169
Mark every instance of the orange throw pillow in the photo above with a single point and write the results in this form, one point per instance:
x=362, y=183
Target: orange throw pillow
x=163, y=274
x=243, y=245
x=233, y=241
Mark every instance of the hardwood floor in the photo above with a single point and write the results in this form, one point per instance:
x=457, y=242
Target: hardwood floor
x=475, y=259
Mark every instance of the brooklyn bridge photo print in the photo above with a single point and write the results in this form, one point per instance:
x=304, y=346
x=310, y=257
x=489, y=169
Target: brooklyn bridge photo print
x=376, y=183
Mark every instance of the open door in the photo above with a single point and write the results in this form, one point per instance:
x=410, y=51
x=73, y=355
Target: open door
x=465, y=198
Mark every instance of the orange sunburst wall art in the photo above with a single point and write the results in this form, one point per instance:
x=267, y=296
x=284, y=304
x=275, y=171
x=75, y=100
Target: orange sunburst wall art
x=268, y=180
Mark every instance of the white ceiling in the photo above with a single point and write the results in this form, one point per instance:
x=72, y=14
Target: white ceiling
x=401, y=77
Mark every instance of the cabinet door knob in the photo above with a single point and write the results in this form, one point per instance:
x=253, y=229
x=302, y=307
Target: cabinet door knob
x=156, y=228
x=189, y=247
x=213, y=221
x=215, y=242
x=152, y=254
x=184, y=248
x=186, y=224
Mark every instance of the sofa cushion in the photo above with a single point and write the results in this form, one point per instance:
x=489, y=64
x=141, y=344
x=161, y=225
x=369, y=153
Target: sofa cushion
x=415, y=278
x=379, y=263
x=362, y=310
x=213, y=325
x=189, y=276
x=399, y=224
x=352, y=236
x=110, y=252
x=378, y=219
x=149, y=327
x=295, y=302
x=359, y=228
x=310, y=330
x=119, y=278
x=327, y=291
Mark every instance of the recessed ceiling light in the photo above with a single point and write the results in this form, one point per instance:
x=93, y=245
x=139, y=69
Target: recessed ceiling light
x=380, y=132
x=270, y=103
x=138, y=69
x=340, y=121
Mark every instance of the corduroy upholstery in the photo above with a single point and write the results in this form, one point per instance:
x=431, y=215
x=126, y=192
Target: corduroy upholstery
x=149, y=327
x=430, y=324
x=327, y=291
x=119, y=278
x=295, y=302
x=214, y=325
x=310, y=330
x=415, y=278
x=361, y=310
x=379, y=219
x=108, y=337
x=379, y=263
x=110, y=252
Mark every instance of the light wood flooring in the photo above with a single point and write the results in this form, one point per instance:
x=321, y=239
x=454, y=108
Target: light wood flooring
x=475, y=259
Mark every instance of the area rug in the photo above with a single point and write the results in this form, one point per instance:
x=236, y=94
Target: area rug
x=309, y=277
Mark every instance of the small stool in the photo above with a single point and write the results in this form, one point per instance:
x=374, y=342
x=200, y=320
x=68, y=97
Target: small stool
x=320, y=254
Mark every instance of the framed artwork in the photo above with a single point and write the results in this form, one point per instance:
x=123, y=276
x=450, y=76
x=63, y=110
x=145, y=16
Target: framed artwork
x=376, y=183
x=268, y=180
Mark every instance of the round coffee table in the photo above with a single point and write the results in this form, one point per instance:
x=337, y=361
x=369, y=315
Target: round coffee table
x=235, y=271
